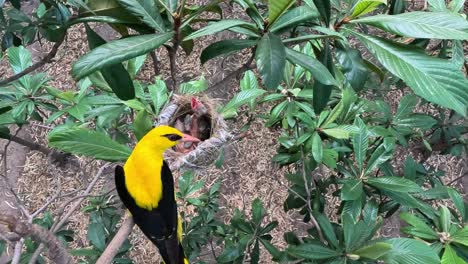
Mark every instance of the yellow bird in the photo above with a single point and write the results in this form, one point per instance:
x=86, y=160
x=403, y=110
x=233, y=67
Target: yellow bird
x=146, y=187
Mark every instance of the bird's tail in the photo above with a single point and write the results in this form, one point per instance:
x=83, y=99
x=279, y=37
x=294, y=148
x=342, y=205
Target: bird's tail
x=172, y=253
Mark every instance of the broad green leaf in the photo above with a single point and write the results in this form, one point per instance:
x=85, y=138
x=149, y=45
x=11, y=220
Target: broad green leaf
x=97, y=235
x=458, y=56
x=242, y=98
x=134, y=65
x=194, y=87
x=324, y=9
x=115, y=75
x=311, y=64
x=19, y=58
x=394, y=184
x=461, y=236
x=406, y=106
x=327, y=229
x=456, y=5
x=322, y=91
x=434, y=79
x=171, y=5
x=360, y=143
x=418, y=227
x=351, y=190
x=276, y=8
x=450, y=256
x=159, y=94
x=258, y=211
x=366, y=6
x=339, y=132
x=249, y=81
x=227, y=47
x=271, y=59
x=445, y=218
x=437, y=5
x=408, y=200
x=147, y=11
x=458, y=202
x=431, y=25
x=219, y=26
x=86, y=142
x=380, y=155
x=293, y=17
x=374, y=251
x=116, y=52
x=409, y=251
x=354, y=68
x=312, y=251
x=317, y=147
x=142, y=124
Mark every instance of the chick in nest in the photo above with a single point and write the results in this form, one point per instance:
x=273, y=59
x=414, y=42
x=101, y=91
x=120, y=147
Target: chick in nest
x=196, y=123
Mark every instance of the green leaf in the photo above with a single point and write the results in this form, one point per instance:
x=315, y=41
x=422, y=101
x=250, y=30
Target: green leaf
x=450, y=256
x=276, y=8
x=419, y=227
x=4, y=132
x=461, y=236
x=360, y=143
x=219, y=26
x=322, y=92
x=258, y=211
x=456, y=5
x=366, y=6
x=311, y=64
x=406, y=106
x=339, y=132
x=159, y=94
x=227, y=47
x=395, y=184
x=324, y=9
x=242, y=98
x=410, y=251
x=147, y=11
x=354, y=67
x=116, y=52
x=327, y=229
x=380, y=155
x=171, y=4
x=437, y=5
x=271, y=59
x=19, y=58
x=134, y=65
x=374, y=251
x=85, y=142
x=311, y=251
x=142, y=124
x=458, y=202
x=445, y=218
x=97, y=235
x=434, y=79
x=430, y=25
x=115, y=75
x=352, y=189
x=194, y=87
x=317, y=147
x=294, y=17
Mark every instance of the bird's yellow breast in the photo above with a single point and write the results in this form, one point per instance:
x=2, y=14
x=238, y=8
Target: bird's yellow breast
x=143, y=178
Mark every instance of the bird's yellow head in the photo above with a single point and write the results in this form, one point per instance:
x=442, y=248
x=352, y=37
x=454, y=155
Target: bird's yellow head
x=164, y=137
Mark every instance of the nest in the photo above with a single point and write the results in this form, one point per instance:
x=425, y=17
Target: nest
x=207, y=151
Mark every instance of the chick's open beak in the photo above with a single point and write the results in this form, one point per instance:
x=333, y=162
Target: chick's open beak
x=188, y=138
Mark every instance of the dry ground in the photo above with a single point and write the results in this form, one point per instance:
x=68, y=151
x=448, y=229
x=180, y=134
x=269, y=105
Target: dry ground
x=247, y=174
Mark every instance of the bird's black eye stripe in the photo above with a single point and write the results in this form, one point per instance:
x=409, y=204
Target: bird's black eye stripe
x=172, y=137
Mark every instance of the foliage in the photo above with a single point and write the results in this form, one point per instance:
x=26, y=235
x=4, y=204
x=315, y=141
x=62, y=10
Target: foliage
x=325, y=95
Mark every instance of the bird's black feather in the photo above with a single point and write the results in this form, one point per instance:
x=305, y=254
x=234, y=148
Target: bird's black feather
x=158, y=224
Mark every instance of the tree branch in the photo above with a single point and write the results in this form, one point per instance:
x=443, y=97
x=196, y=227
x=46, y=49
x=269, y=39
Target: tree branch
x=113, y=248
x=242, y=69
x=57, y=253
x=34, y=67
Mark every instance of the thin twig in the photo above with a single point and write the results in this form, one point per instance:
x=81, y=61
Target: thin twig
x=46, y=59
x=17, y=252
x=57, y=253
x=240, y=70
x=58, y=224
x=113, y=248
x=155, y=62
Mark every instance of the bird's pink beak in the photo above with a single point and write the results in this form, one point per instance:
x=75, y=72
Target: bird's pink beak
x=188, y=138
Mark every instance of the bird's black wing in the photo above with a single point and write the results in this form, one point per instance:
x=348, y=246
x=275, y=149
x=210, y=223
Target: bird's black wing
x=159, y=224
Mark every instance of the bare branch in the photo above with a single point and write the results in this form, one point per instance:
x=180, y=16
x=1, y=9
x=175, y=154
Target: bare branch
x=46, y=59
x=239, y=71
x=113, y=248
x=57, y=253
x=155, y=62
